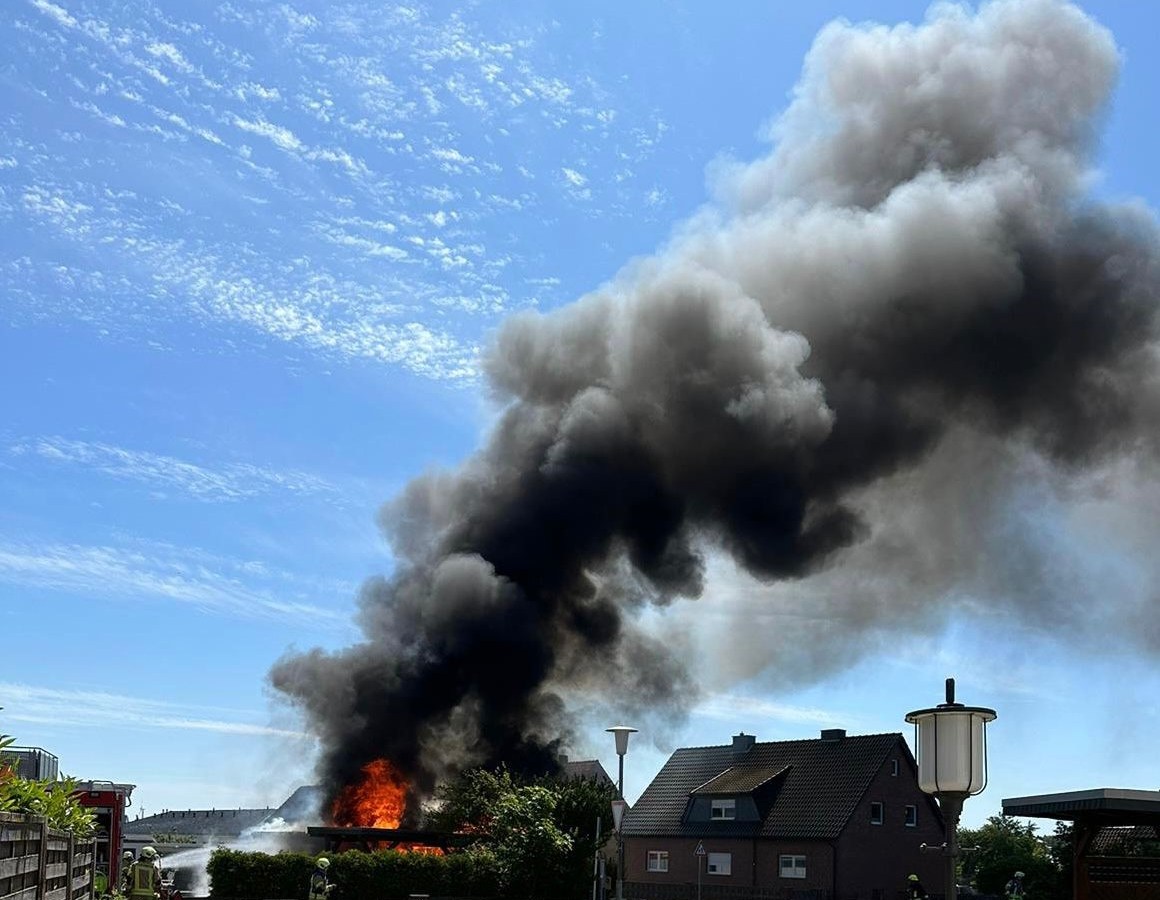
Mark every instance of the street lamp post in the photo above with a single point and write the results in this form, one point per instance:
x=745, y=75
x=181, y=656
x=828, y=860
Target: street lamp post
x=621, y=733
x=951, y=745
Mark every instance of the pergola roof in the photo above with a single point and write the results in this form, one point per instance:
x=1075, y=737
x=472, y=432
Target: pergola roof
x=1124, y=806
x=1102, y=870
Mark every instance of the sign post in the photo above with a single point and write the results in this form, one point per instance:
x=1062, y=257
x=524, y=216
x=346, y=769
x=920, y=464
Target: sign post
x=700, y=854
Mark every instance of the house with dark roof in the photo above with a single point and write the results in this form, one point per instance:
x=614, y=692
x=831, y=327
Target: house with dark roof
x=587, y=769
x=173, y=829
x=838, y=817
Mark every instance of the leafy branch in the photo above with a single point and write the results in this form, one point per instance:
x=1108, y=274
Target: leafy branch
x=54, y=800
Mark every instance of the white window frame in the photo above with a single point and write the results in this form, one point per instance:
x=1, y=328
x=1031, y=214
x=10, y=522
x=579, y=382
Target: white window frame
x=911, y=820
x=894, y=768
x=719, y=864
x=723, y=809
x=658, y=861
x=877, y=812
x=791, y=865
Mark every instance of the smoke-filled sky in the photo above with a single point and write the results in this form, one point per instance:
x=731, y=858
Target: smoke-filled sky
x=884, y=323
x=756, y=384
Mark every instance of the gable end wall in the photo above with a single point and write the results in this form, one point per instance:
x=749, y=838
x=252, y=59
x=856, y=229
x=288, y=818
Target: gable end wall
x=879, y=857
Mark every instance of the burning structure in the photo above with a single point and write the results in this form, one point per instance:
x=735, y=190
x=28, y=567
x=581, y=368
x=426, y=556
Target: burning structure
x=839, y=380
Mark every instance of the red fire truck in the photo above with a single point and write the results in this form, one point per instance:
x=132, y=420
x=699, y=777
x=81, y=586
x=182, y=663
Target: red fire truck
x=108, y=801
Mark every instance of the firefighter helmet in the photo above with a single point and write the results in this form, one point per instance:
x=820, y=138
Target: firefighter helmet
x=1018, y=874
x=148, y=853
x=128, y=854
x=912, y=878
x=324, y=863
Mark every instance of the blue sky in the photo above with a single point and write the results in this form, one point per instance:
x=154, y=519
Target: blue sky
x=250, y=254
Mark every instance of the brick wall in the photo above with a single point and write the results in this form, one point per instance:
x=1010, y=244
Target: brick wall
x=877, y=858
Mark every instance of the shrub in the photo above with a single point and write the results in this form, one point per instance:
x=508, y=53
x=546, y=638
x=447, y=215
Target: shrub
x=383, y=875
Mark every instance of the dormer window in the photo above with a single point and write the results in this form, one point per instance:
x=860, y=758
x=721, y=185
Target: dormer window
x=723, y=810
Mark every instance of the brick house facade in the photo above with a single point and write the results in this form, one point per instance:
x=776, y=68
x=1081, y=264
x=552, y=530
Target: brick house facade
x=832, y=817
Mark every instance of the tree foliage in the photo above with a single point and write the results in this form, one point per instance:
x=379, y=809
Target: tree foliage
x=541, y=833
x=53, y=800
x=1006, y=846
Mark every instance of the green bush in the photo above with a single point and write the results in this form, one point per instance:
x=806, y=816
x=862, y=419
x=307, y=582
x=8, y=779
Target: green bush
x=540, y=834
x=256, y=876
x=382, y=875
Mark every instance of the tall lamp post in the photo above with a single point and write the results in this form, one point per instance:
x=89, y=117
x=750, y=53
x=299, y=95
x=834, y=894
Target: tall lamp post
x=621, y=733
x=951, y=742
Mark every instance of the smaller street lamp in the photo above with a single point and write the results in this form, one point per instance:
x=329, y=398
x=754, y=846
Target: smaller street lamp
x=621, y=733
x=951, y=745
x=618, y=808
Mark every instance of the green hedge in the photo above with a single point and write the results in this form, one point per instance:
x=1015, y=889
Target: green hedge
x=383, y=875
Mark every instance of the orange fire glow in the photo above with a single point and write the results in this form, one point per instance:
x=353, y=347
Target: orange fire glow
x=378, y=801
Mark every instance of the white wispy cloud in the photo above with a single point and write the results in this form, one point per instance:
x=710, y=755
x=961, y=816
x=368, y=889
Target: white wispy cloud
x=58, y=13
x=170, y=54
x=746, y=708
x=344, y=318
x=311, y=116
x=574, y=178
x=152, y=571
x=282, y=137
x=230, y=482
x=70, y=707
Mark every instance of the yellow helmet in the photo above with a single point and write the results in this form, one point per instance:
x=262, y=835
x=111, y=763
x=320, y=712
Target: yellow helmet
x=324, y=863
x=148, y=853
x=912, y=878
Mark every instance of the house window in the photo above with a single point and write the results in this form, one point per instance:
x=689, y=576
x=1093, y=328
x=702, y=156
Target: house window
x=658, y=860
x=876, y=813
x=724, y=809
x=720, y=864
x=789, y=866
x=894, y=767
x=911, y=816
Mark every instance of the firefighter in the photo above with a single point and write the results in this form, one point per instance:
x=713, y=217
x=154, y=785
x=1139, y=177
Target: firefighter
x=126, y=865
x=914, y=888
x=145, y=876
x=320, y=886
x=1014, y=888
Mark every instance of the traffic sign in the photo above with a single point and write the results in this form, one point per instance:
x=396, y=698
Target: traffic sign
x=700, y=851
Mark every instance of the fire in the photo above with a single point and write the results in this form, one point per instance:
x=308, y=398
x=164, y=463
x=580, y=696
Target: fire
x=378, y=801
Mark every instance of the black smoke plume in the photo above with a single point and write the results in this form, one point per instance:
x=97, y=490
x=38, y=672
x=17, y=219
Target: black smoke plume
x=833, y=377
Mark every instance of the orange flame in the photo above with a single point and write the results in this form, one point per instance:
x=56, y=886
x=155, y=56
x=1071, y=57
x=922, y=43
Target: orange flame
x=378, y=801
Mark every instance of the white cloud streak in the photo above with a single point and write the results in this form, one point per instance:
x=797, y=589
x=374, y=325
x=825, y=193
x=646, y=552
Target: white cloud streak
x=64, y=707
x=738, y=707
x=154, y=571
x=231, y=482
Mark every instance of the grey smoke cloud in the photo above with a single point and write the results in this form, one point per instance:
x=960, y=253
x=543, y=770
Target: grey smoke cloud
x=831, y=383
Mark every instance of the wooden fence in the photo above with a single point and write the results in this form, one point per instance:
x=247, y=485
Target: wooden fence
x=41, y=863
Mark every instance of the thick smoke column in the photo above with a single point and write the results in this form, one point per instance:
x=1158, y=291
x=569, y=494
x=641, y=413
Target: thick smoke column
x=910, y=287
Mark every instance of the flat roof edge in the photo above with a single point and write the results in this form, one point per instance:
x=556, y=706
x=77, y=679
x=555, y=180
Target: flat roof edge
x=1090, y=794
x=1069, y=804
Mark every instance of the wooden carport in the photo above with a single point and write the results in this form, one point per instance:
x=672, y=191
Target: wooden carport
x=1117, y=839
